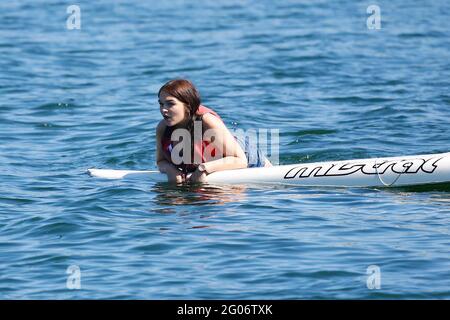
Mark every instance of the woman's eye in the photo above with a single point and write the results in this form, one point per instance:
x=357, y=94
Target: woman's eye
x=167, y=105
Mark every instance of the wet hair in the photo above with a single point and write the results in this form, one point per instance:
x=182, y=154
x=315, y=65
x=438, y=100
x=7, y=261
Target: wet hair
x=185, y=91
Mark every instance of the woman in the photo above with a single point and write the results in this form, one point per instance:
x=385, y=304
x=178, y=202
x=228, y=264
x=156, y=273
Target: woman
x=216, y=150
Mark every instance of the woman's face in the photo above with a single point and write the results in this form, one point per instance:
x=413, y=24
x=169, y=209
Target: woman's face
x=172, y=109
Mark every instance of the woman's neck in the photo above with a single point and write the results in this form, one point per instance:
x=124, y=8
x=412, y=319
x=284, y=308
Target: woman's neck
x=182, y=125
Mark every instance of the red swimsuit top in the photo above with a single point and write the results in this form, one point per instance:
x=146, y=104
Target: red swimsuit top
x=167, y=144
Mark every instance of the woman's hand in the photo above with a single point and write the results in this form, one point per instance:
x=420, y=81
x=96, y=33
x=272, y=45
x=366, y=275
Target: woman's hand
x=175, y=176
x=198, y=176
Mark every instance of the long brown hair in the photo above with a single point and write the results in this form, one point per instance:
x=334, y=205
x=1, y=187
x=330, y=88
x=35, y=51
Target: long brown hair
x=185, y=91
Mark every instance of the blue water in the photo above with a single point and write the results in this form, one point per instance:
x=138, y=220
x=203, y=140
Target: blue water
x=76, y=99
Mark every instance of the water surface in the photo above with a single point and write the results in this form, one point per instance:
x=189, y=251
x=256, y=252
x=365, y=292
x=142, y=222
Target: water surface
x=75, y=99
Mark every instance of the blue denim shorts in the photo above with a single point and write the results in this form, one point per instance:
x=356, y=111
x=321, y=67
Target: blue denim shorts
x=255, y=157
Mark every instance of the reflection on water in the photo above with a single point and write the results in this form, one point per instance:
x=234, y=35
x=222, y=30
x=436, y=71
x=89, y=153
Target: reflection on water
x=443, y=198
x=198, y=195
x=440, y=187
x=417, y=195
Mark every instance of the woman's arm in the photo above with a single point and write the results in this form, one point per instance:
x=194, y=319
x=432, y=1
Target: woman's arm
x=173, y=174
x=233, y=157
x=226, y=163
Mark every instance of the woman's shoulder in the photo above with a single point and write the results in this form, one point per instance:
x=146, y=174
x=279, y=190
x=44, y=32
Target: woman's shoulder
x=161, y=127
x=212, y=121
x=202, y=110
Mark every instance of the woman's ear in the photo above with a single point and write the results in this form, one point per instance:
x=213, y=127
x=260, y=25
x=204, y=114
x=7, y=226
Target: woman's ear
x=188, y=110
